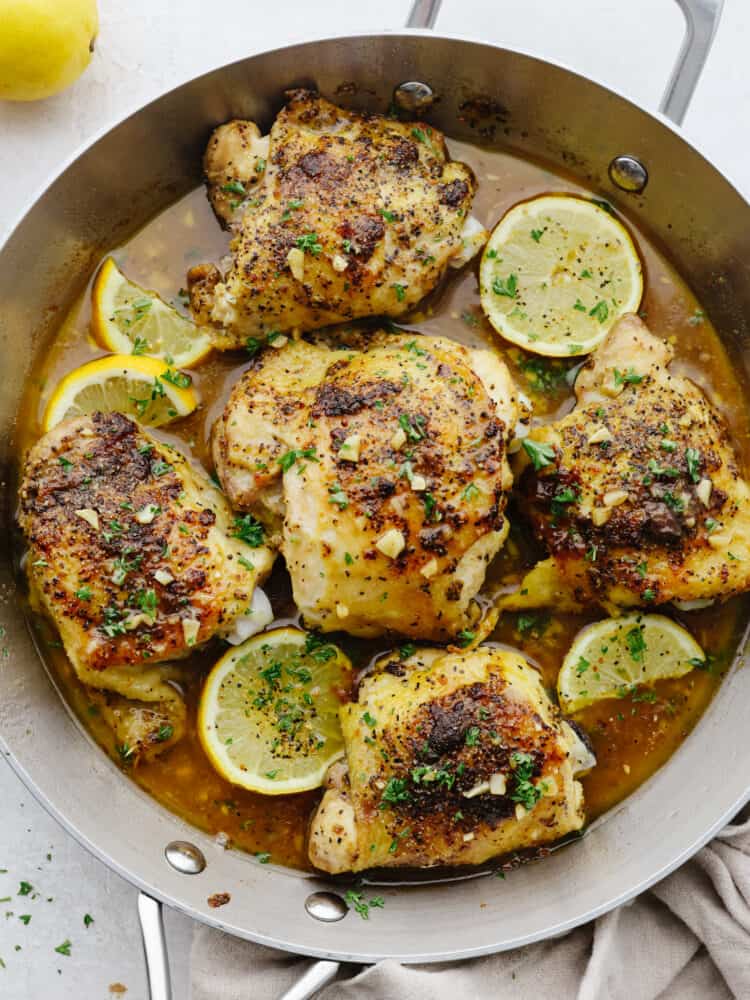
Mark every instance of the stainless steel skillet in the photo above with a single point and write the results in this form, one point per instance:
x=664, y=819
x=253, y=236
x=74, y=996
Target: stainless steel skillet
x=488, y=94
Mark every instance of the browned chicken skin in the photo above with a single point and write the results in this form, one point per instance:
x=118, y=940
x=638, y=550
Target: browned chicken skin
x=638, y=497
x=135, y=557
x=337, y=215
x=451, y=758
x=388, y=467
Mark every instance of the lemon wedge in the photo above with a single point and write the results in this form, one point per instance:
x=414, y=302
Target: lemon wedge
x=268, y=717
x=557, y=273
x=143, y=388
x=127, y=319
x=612, y=657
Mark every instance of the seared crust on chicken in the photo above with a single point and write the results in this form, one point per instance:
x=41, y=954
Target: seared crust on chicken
x=638, y=497
x=451, y=758
x=132, y=554
x=346, y=215
x=389, y=467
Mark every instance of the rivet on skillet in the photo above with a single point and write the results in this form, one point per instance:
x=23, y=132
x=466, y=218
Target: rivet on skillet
x=628, y=174
x=185, y=857
x=326, y=906
x=413, y=96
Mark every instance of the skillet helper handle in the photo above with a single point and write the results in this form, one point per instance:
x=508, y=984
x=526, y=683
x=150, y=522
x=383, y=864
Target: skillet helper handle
x=154, y=947
x=701, y=21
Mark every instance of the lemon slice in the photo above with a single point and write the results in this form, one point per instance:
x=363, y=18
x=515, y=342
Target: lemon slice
x=143, y=388
x=557, y=273
x=126, y=319
x=609, y=658
x=269, y=711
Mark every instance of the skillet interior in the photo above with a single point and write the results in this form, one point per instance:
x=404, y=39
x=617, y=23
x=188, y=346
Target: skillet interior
x=498, y=97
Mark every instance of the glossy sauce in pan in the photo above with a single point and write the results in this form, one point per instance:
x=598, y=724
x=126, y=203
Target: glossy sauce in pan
x=631, y=736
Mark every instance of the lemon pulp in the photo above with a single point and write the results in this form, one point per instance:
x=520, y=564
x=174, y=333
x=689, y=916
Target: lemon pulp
x=269, y=711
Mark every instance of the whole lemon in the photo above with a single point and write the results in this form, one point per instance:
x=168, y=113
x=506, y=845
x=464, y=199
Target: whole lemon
x=44, y=45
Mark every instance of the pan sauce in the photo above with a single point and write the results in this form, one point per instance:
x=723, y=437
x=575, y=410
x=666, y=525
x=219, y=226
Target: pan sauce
x=631, y=736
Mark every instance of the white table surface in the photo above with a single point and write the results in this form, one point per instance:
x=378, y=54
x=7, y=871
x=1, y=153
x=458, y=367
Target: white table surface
x=144, y=48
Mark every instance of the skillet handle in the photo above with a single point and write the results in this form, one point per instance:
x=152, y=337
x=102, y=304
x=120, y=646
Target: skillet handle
x=701, y=21
x=154, y=947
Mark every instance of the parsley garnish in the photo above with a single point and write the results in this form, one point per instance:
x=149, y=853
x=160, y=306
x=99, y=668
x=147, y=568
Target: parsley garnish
x=288, y=459
x=319, y=648
x=361, y=905
x=540, y=454
x=309, y=244
x=600, y=311
x=636, y=643
x=394, y=792
x=524, y=791
x=234, y=187
x=507, y=287
x=249, y=530
x=400, y=291
x=466, y=637
x=84, y=593
x=630, y=377
x=693, y=459
x=414, y=427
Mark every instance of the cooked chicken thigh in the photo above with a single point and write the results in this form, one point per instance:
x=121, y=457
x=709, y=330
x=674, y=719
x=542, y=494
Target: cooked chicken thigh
x=389, y=468
x=134, y=556
x=637, y=493
x=337, y=215
x=451, y=758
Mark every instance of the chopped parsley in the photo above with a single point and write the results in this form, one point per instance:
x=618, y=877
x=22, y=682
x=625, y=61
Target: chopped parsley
x=249, y=530
x=408, y=649
x=319, y=648
x=234, y=187
x=394, y=792
x=466, y=637
x=288, y=459
x=164, y=733
x=400, y=291
x=64, y=948
x=361, y=905
x=630, y=377
x=388, y=216
x=536, y=234
x=524, y=791
x=84, y=593
x=263, y=857
x=540, y=454
x=471, y=738
x=533, y=625
x=507, y=287
x=309, y=244
x=561, y=499
x=180, y=379
x=431, y=512
x=636, y=643
x=600, y=311
x=160, y=467
x=582, y=666
x=413, y=426
x=87, y=920
x=337, y=496
x=693, y=459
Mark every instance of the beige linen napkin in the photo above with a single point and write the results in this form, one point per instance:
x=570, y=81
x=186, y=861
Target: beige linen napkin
x=688, y=938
